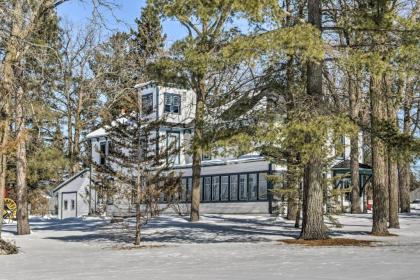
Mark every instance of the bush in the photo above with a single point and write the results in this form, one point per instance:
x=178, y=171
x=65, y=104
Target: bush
x=7, y=248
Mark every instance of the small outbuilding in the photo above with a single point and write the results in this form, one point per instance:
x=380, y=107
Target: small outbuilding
x=75, y=196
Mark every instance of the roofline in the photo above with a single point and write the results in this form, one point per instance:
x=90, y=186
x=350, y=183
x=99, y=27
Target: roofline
x=222, y=162
x=69, y=180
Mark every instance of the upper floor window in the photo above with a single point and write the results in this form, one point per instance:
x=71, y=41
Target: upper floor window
x=147, y=104
x=172, y=103
x=102, y=151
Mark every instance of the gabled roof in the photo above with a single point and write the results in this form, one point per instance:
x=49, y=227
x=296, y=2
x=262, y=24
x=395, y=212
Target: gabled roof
x=70, y=180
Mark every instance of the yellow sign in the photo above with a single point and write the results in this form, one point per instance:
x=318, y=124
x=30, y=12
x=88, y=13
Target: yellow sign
x=9, y=211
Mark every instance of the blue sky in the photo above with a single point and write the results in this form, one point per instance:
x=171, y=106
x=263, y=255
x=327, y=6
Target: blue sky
x=121, y=20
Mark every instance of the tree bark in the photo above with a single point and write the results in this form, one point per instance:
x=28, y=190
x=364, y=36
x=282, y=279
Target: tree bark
x=197, y=154
x=405, y=171
x=292, y=201
x=354, y=151
x=379, y=174
x=21, y=167
x=292, y=207
x=404, y=186
x=392, y=163
x=393, y=192
x=4, y=136
x=299, y=208
x=355, y=175
x=313, y=219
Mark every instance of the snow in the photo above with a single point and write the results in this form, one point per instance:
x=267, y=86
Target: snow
x=97, y=133
x=218, y=247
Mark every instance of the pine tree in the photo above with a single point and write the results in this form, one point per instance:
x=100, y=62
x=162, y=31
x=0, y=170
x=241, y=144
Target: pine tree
x=214, y=49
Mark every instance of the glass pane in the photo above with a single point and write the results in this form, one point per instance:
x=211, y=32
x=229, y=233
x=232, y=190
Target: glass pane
x=243, y=188
x=207, y=188
x=175, y=109
x=66, y=205
x=233, y=187
x=72, y=204
x=215, y=188
x=176, y=100
x=168, y=99
x=224, y=188
x=147, y=104
x=189, y=189
x=262, y=186
x=201, y=189
x=252, y=186
x=183, y=190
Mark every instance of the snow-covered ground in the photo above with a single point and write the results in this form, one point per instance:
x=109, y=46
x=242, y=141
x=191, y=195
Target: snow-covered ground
x=218, y=247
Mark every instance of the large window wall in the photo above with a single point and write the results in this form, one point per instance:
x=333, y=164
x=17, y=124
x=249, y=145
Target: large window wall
x=228, y=187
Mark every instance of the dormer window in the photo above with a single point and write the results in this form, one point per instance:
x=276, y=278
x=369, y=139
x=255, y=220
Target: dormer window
x=147, y=104
x=172, y=103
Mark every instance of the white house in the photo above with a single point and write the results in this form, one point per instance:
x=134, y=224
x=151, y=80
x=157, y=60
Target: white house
x=228, y=184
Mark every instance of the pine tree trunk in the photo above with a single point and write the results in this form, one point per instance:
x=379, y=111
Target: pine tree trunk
x=313, y=220
x=292, y=207
x=405, y=171
x=392, y=107
x=313, y=217
x=197, y=154
x=404, y=185
x=292, y=201
x=299, y=208
x=393, y=193
x=21, y=167
x=354, y=170
x=379, y=168
x=138, y=211
x=354, y=150
x=4, y=136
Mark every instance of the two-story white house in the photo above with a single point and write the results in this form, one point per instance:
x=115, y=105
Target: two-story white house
x=228, y=184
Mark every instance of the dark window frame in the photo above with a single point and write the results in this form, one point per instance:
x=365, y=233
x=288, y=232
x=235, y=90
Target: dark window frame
x=147, y=100
x=102, y=152
x=170, y=107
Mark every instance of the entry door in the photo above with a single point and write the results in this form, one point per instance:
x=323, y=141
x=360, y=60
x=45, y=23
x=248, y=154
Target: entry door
x=69, y=205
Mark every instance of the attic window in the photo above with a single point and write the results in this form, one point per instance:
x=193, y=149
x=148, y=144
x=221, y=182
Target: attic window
x=172, y=103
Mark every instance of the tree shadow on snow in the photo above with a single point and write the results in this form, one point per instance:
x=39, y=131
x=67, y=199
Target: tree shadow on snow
x=213, y=229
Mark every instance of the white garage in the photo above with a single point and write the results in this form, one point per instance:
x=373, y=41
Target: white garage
x=73, y=196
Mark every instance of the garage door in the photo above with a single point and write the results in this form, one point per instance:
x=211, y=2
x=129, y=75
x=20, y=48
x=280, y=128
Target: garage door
x=69, y=205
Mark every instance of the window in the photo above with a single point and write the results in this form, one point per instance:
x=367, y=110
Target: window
x=73, y=204
x=215, y=189
x=172, y=103
x=262, y=186
x=147, y=104
x=201, y=189
x=206, y=157
x=102, y=150
x=189, y=189
x=183, y=190
x=207, y=188
x=172, y=147
x=243, y=188
x=233, y=187
x=66, y=205
x=224, y=186
x=341, y=148
x=252, y=182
